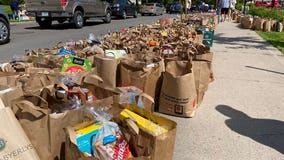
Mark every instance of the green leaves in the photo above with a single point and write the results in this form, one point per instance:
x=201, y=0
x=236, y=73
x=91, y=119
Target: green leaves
x=264, y=12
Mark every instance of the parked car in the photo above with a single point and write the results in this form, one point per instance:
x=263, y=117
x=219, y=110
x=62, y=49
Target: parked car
x=123, y=8
x=175, y=8
x=75, y=11
x=152, y=9
x=4, y=27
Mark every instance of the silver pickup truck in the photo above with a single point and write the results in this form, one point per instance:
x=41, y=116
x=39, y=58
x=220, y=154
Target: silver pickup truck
x=74, y=11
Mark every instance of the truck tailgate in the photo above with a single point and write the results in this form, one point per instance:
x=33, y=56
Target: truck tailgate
x=44, y=5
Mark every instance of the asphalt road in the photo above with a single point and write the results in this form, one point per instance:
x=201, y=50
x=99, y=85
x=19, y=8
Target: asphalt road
x=29, y=35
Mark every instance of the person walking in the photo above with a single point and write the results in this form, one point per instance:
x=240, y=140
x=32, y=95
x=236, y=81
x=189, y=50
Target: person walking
x=14, y=5
x=232, y=8
x=224, y=5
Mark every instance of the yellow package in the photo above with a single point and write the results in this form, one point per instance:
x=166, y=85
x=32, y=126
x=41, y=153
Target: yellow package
x=143, y=124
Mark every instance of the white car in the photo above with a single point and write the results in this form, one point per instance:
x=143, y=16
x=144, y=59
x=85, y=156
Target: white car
x=4, y=27
x=152, y=9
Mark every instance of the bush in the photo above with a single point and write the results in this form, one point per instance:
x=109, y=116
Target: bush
x=7, y=2
x=263, y=12
x=239, y=6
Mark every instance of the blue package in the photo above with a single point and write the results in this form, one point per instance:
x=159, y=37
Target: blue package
x=64, y=51
x=109, y=139
x=84, y=138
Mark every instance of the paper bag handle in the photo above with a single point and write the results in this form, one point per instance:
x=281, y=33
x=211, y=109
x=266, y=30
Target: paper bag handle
x=88, y=78
x=147, y=96
x=1, y=104
x=30, y=104
x=62, y=85
x=31, y=94
x=132, y=125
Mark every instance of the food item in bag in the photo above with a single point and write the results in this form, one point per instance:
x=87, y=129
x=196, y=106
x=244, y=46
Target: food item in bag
x=143, y=123
x=84, y=138
x=116, y=148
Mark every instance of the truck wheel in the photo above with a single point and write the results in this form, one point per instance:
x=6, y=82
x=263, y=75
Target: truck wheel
x=78, y=19
x=135, y=14
x=46, y=23
x=124, y=15
x=107, y=18
x=4, y=31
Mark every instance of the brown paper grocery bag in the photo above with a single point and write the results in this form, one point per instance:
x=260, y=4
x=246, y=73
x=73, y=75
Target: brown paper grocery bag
x=46, y=129
x=106, y=68
x=34, y=121
x=258, y=23
x=267, y=25
x=72, y=152
x=160, y=147
x=206, y=56
x=9, y=94
x=9, y=79
x=143, y=146
x=34, y=82
x=57, y=123
x=14, y=143
x=138, y=75
x=178, y=93
x=247, y=22
x=201, y=71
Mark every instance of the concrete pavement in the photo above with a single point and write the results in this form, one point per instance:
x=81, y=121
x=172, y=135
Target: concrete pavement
x=242, y=115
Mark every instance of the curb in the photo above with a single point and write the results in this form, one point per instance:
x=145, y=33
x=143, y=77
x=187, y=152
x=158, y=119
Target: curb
x=15, y=23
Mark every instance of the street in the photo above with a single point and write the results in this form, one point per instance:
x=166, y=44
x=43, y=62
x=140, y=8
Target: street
x=29, y=35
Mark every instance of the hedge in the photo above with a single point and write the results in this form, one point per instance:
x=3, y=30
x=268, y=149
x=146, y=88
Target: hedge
x=264, y=12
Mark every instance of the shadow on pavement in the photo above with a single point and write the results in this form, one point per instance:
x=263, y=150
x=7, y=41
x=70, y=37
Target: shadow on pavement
x=65, y=26
x=266, y=70
x=240, y=42
x=268, y=132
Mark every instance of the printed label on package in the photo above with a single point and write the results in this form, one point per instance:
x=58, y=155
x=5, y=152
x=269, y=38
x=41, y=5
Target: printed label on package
x=178, y=109
x=73, y=64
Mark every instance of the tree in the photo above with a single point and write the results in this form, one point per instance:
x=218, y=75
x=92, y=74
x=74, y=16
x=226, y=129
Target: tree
x=7, y=2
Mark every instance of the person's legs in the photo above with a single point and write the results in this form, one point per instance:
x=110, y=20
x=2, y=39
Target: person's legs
x=226, y=11
x=230, y=14
x=15, y=13
x=222, y=14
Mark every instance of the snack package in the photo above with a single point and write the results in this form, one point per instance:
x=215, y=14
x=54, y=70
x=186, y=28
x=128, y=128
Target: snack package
x=143, y=123
x=108, y=142
x=73, y=64
x=111, y=144
x=84, y=138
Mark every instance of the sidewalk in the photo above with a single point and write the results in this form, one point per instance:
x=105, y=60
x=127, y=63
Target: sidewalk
x=242, y=115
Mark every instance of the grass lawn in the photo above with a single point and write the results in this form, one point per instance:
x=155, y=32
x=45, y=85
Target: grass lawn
x=6, y=8
x=274, y=38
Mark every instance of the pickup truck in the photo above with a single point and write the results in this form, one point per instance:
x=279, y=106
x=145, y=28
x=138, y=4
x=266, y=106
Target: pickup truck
x=74, y=11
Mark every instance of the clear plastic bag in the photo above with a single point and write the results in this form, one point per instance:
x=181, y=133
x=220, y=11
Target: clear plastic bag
x=108, y=143
x=69, y=79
